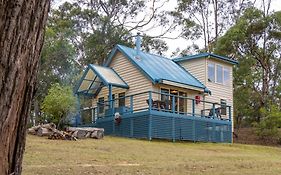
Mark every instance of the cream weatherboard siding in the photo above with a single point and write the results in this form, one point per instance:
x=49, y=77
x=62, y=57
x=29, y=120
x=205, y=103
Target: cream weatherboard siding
x=221, y=91
x=136, y=80
x=197, y=67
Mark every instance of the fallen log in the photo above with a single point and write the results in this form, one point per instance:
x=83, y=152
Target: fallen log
x=50, y=126
x=98, y=134
x=89, y=129
x=43, y=132
x=79, y=134
x=31, y=131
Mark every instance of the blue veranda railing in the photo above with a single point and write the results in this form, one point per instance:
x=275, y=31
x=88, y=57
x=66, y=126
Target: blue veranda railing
x=159, y=115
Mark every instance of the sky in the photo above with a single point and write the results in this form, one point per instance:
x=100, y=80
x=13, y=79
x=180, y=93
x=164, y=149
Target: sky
x=180, y=43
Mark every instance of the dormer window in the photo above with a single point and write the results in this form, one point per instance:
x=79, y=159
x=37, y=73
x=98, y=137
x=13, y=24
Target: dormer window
x=218, y=74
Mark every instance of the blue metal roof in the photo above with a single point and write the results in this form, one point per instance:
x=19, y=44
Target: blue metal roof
x=158, y=68
x=202, y=55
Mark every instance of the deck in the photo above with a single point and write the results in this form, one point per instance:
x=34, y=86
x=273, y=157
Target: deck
x=152, y=115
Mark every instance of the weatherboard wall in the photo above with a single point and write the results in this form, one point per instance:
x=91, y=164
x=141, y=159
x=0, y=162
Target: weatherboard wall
x=221, y=91
x=199, y=68
x=135, y=79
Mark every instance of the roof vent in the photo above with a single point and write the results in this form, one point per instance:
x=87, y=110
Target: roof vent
x=138, y=43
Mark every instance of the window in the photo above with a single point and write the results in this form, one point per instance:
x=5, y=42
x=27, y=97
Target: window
x=101, y=105
x=211, y=72
x=121, y=97
x=165, y=97
x=226, y=76
x=223, y=106
x=219, y=74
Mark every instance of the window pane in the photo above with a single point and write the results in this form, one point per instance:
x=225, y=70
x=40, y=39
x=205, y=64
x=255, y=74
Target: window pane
x=211, y=72
x=226, y=76
x=101, y=104
x=164, y=97
x=223, y=106
x=219, y=74
x=121, y=97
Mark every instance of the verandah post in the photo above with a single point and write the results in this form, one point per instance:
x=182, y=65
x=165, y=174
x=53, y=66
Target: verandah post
x=193, y=107
x=149, y=127
x=173, y=104
x=149, y=117
x=173, y=129
x=132, y=103
x=110, y=96
x=230, y=120
x=213, y=109
x=230, y=117
x=149, y=101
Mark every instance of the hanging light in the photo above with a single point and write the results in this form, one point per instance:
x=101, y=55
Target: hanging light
x=174, y=91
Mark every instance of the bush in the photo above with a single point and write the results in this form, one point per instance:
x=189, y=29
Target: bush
x=58, y=104
x=268, y=127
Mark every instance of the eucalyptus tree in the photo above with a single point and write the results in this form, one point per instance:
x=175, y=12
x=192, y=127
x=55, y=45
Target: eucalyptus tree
x=255, y=40
x=22, y=31
x=207, y=20
x=97, y=26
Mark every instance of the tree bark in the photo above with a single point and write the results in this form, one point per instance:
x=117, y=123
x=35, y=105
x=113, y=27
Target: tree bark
x=22, y=28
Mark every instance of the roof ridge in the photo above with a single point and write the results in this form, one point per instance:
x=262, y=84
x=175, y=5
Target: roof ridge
x=146, y=52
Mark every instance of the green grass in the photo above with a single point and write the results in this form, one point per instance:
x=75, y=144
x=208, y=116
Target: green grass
x=114, y=155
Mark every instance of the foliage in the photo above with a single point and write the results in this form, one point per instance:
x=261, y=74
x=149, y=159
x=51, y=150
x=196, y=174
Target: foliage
x=207, y=20
x=58, y=103
x=97, y=26
x=270, y=124
x=255, y=41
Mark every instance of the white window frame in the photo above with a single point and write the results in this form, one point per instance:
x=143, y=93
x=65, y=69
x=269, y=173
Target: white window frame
x=216, y=77
x=223, y=70
x=214, y=66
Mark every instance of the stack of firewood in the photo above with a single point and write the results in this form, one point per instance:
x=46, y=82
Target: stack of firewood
x=71, y=133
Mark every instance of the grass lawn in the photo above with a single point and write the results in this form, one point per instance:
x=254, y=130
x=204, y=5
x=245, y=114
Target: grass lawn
x=114, y=155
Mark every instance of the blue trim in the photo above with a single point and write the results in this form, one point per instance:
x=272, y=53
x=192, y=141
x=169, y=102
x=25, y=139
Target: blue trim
x=98, y=74
x=102, y=78
x=201, y=55
x=161, y=81
x=111, y=55
x=134, y=63
x=127, y=86
x=193, y=77
x=81, y=80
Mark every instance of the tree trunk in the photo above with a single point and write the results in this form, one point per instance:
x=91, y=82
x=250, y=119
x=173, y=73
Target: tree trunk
x=22, y=28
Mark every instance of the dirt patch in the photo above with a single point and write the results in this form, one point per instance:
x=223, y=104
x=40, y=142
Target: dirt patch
x=248, y=136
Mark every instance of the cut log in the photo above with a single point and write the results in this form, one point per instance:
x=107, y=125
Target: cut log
x=31, y=131
x=98, y=134
x=50, y=126
x=89, y=129
x=79, y=134
x=88, y=135
x=43, y=132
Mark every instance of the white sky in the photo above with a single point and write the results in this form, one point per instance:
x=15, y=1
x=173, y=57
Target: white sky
x=180, y=43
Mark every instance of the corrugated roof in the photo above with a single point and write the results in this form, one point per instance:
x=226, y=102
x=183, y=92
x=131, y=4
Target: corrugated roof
x=158, y=68
x=202, y=55
x=95, y=77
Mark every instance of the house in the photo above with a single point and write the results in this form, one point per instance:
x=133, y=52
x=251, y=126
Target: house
x=142, y=95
